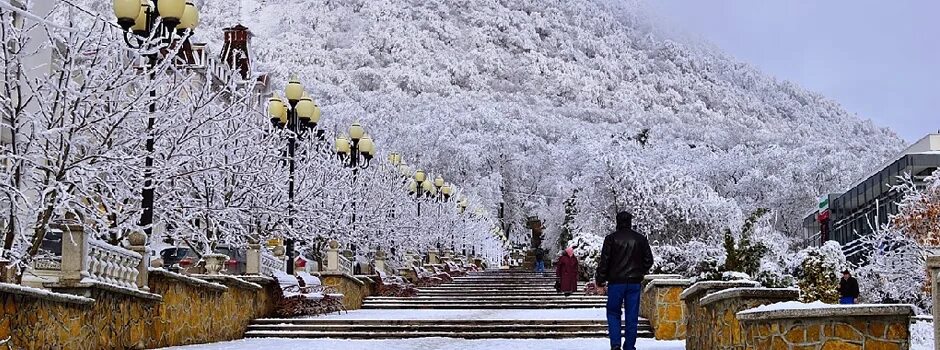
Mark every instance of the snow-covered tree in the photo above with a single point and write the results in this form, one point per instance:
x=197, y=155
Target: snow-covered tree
x=819, y=272
x=893, y=270
x=919, y=211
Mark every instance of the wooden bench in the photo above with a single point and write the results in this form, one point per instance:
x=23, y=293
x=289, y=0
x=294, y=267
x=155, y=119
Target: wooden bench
x=427, y=278
x=298, y=301
x=332, y=300
x=394, y=286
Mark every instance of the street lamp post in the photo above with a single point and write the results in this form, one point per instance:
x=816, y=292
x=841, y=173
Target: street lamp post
x=298, y=116
x=355, y=152
x=139, y=20
x=420, y=187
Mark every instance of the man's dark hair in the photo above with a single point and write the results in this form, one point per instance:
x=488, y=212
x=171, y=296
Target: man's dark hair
x=624, y=221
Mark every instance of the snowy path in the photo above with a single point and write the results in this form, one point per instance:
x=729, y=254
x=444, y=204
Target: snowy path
x=428, y=344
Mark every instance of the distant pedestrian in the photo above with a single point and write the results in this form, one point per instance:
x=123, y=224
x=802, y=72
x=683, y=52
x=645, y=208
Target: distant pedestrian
x=540, y=260
x=626, y=258
x=848, y=288
x=567, y=272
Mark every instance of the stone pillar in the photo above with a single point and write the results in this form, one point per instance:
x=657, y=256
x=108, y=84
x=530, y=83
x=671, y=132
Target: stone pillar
x=380, y=266
x=933, y=265
x=661, y=305
x=138, y=244
x=433, y=257
x=332, y=257
x=74, y=252
x=695, y=314
x=253, y=262
x=721, y=329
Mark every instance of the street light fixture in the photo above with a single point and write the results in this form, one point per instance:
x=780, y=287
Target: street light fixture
x=296, y=117
x=138, y=19
x=359, y=144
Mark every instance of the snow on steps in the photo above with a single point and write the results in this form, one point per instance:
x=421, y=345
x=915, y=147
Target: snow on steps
x=491, y=290
x=465, y=329
x=532, y=294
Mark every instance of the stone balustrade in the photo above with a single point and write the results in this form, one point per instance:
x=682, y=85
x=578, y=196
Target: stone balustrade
x=695, y=315
x=664, y=308
x=381, y=262
x=88, y=260
x=345, y=265
x=834, y=327
x=261, y=261
x=720, y=329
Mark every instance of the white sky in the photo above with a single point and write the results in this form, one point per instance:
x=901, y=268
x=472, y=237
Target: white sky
x=879, y=59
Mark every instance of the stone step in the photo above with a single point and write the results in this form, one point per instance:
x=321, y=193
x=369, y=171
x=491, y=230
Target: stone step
x=493, y=292
x=495, y=328
x=467, y=329
x=493, y=298
x=407, y=335
x=375, y=322
x=490, y=306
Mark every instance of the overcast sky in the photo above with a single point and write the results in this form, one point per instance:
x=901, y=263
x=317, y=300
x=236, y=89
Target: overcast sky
x=879, y=59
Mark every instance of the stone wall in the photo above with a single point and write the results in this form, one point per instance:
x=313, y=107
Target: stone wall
x=694, y=314
x=665, y=310
x=720, y=329
x=861, y=327
x=184, y=310
x=646, y=296
x=354, y=289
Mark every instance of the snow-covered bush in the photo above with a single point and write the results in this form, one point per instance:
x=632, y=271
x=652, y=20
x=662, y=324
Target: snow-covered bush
x=710, y=269
x=775, y=279
x=919, y=211
x=587, y=248
x=818, y=274
x=893, y=270
x=742, y=256
x=683, y=259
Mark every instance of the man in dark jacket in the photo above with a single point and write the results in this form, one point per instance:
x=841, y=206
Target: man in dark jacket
x=848, y=288
x=625, y=259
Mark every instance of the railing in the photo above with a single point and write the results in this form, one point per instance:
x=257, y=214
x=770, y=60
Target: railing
x=345, y=265
x=271, y=263
x=86, y=259
x=110, y=264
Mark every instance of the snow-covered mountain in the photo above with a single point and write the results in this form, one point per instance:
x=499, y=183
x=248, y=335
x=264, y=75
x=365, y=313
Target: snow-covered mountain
x=526, y=101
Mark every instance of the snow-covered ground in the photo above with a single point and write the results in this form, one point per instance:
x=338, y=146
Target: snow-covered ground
x=922, y=336
x=523, y=314
x=428, y=344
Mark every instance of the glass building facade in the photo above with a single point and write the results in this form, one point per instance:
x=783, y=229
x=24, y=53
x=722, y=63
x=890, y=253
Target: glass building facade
x=871, y=202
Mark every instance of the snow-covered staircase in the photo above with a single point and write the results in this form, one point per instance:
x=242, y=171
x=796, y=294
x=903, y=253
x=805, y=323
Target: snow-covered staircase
x=491, y=290
x=485, y=305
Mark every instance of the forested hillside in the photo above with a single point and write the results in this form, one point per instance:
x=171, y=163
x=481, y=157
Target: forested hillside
x=526, y=102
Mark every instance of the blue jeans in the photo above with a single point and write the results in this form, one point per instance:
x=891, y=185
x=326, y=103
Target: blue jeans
x=847, y=300
x=540, y=266
x=627, y=297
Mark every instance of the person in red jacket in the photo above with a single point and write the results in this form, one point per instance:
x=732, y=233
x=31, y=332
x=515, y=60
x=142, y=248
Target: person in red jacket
x=567, y=272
